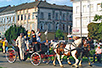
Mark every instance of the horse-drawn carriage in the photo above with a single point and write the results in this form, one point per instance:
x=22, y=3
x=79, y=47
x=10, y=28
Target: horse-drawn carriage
x=35, y=57
x=66, y=50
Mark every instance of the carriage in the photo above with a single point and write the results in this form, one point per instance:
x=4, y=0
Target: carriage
x=35, y=57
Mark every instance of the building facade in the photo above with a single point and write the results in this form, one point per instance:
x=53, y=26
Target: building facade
x=44, y=16
x=7, y=18
x=89, y=9
x=38, y=15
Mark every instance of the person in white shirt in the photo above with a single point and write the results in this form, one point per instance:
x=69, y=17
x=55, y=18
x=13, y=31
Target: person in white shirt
x=20, y=42
x=98, y=52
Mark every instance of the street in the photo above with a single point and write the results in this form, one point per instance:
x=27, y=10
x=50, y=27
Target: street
x=27, y=64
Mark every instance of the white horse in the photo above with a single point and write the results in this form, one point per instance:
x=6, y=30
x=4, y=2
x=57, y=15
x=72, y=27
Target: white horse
x=68, y=50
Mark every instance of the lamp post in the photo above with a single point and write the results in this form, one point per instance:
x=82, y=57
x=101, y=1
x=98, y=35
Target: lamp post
x=81, y=18
x=89, y=11
x=68, y=32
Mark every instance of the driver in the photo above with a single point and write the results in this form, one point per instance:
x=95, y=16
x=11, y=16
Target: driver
x=33, y=40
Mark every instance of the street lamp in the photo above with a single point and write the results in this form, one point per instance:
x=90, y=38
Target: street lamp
x=81, y=18
x=68, y=32
x=89, y=11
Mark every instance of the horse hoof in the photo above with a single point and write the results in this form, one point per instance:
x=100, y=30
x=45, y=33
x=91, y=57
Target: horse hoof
x=72, y=65
x=61, y=66
x=69, y=63
x=80, y=65
x=90, y=65
x=54, y=64
x=77, y=67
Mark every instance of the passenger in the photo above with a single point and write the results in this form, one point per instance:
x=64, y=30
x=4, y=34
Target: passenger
x=26, y=42
x=4, y=45
x=38, y=38
x=33, y=40
x=37, y=33
x=21, y=45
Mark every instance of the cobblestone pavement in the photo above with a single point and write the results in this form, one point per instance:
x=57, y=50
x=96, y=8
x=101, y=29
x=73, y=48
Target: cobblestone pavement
x=27, y=64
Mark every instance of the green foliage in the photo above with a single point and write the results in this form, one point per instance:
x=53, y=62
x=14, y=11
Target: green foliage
x=95, y=30
x=13, y=32
x=59, y=34
x=97, y=17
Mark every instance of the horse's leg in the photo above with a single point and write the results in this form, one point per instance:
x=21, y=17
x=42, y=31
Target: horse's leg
x=58, y=58
x=68, y=61
x=89, y=61
x=54, y=60
x=81, y=57
x=76, y=59
x=62, y=58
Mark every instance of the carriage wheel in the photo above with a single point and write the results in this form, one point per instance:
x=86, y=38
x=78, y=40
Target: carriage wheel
x=11, y=55
x=35, y=59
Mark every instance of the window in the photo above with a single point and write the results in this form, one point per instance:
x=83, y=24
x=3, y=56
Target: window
x=91, y=7
x=70, y=17
x=49, y=26
x=13, y=18
x=77, y=9
x=84, y=22
x=33, y=15
x=56, y=16
x=63, y=27
x=57, y=26
x=21, y=17
x=18, y=17
x=41, y=26
x=0, y=20
x=53, y=14
x=25, y=17
x=67, y=17
x=84, y=8
x=42, y=15
x=98, y=7
x=64, y=17
x=49, y=16
x=77, y=22
x=29, y=16
x=60, y=15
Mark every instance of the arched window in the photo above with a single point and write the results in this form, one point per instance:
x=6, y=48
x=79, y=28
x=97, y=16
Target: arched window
x=63, y=27
x=57, y=26
x=41, y=26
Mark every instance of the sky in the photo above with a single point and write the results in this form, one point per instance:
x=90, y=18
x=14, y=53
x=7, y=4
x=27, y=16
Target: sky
x=17, y=2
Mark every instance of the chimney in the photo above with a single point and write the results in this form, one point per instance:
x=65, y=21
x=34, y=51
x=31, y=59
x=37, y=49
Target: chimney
x=36, y=0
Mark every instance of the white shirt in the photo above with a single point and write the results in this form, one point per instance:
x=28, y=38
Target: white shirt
x=38, y=39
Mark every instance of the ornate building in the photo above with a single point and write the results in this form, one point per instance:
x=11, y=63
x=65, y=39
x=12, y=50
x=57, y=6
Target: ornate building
x=89, y=9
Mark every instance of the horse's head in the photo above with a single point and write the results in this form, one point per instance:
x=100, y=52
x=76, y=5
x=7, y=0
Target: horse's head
x=53, y=44
x=78, y=42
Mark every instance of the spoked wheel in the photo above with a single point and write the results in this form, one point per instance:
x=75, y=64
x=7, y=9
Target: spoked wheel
x=11, y=55
x=35, y=59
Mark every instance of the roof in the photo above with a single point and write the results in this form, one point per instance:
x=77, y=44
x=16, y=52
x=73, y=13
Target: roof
x=39, y=4
x=3, y=8
x=44, y=4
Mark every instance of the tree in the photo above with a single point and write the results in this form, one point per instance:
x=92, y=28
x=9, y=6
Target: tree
x=13, y=32
x=93, y=29
x=59, y=34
